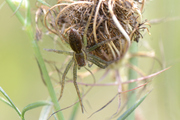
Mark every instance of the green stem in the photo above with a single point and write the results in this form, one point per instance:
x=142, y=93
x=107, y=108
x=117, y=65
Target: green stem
x=46, y=76
x=28, y=28
x=132, y=75
x=74, y=111
x=18, y=14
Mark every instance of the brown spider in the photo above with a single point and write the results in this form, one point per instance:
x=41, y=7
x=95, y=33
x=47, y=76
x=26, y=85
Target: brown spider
x=80, y=57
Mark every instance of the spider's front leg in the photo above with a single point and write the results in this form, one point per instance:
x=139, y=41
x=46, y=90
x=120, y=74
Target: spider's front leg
x=64, y=76
x=59, y=51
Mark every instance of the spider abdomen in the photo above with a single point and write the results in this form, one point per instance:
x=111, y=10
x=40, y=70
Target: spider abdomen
x=80, y=58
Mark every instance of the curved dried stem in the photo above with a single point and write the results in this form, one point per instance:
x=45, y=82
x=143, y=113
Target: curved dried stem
x=87, y=25
x=121, y=29
x=111, y=43
x=69, y=5
x=118, y=79
x=127, y=82
x=142, y=6
x=104, y=106
x=95, y=19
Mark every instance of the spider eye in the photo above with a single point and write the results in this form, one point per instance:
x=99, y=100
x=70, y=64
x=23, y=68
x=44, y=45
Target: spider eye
x=75, y=40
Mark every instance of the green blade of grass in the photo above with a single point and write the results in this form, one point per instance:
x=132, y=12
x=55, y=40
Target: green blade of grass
x=10, y=101
x=55, y=118
x=74, y=111
x=34, y=105
x=5, y=101
x=44, y=3
x=28, y=28
x=45, y=112
x=130, y=110
x=18, y=14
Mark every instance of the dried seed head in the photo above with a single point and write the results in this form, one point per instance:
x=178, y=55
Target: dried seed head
x=100, y=25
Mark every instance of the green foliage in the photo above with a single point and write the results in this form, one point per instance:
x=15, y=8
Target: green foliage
x=130, y=110
x=26, y=22
x=34, y=105
x=25, y=109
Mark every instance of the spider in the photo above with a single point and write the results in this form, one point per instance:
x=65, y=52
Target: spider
x=80, y=57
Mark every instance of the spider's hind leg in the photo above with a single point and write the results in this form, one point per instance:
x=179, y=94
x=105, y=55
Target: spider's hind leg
x=76, y=86
x=98, y=61
x=100, y=44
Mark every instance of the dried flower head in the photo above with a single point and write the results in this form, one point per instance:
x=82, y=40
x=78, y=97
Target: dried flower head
x=98, y=31
x=94, y=22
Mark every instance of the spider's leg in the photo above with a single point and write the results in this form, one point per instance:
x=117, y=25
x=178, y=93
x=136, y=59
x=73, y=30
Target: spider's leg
x=59, y=51
x=98, y=59
x=101, y=43
x=64, y=76
x=90, y=64
x=99, y=64
x=76, y=86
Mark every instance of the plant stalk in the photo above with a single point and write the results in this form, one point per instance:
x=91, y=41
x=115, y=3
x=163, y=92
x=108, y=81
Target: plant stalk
x=132, y=75
x=28, y=28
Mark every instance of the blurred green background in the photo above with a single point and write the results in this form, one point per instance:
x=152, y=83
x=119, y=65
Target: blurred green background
x=20, y=77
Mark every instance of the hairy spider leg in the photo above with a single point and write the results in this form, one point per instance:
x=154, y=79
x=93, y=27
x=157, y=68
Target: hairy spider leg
x=65, y=73
x=60, y=51
x=76, y=86
x=98, y=61
x=64, y=76
x=96, y=58
x=100, y=44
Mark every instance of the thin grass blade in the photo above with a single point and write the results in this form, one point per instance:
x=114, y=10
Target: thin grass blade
x=44, y=3
x=5, y=101
x=130, y=110
x=45, y=112
x=10, y=101
x=18, y=14
x=74, y=111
